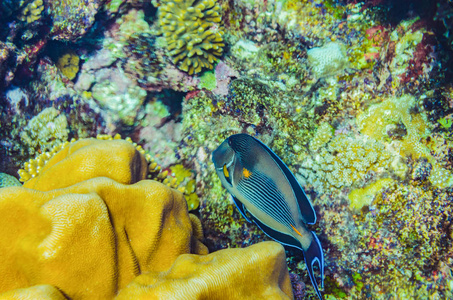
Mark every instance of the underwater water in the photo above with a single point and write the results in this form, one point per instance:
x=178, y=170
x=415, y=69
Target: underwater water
x=111, y=110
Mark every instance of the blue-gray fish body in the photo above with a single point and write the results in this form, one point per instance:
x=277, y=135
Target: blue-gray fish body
x=262, y=185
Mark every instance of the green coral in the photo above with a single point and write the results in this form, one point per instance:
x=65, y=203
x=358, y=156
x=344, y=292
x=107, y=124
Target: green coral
x=122, y=100
x=46, y=130
x=323, y=134
x=7, y=180
x=383, y=118
x=208, y=81
x=327, y=60
x=193, y=33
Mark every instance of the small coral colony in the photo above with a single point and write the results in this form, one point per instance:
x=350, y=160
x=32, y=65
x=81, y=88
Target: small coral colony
x=226, y=149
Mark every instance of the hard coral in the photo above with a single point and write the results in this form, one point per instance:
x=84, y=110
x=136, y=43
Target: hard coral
x=68, y=63
x=193, y=34
x=72, y=18
x=119, y=159
x=327, y=60
x=44, y=131
x=32, y=12
x=104, y=233
x=188, y=277
x=121, y=229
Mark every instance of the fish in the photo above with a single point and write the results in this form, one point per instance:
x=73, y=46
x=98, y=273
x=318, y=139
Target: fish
x=266, y=192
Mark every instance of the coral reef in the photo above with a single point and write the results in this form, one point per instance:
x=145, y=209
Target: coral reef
x=8, y=180
x=113, y=232
x=68, y=63
x=188, y=277
x=354, y=96
x=44, y=131
x=72, y=18
x=32, y=11
x=327, y=60
x=193, y=33
x=408, y=222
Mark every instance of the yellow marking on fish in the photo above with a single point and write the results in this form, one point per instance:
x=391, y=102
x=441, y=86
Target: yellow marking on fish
x=246, y=173
x=225, y=171
x=297, y=231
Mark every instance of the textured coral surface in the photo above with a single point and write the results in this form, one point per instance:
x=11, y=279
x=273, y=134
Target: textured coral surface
x=92, y=233
x=193, y=34
x=223, y=272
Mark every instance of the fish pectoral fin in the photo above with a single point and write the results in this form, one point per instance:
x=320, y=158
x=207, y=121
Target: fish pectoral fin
x=241, y=208
x=314, y=254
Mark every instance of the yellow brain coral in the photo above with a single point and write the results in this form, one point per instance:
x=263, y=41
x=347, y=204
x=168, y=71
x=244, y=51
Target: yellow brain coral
x=88, y=225
x=98, y=234
x=68, y=64
x=221, y=271
x=90, y=158
x=192, y=31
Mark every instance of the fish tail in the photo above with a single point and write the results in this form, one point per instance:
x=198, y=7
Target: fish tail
x=314, y=254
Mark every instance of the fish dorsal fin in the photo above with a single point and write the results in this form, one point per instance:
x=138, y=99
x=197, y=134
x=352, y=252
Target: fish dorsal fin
x=241, y=208
x=306, y=209
x=277, y=235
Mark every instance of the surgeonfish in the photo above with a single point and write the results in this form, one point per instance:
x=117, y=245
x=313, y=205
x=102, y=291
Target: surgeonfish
x=264, y=188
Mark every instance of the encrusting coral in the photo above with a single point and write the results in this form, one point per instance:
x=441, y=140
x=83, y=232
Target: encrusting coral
x=89, y=224
x=327, y=60
x=193, y=34
x=44, y=131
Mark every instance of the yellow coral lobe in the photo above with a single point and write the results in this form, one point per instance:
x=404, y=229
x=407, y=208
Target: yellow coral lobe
x=112, y=239
x=295, y=229
x=264, y=262
x=225, y=171
x=246, y=173
x=68, y=64
x=89, y=158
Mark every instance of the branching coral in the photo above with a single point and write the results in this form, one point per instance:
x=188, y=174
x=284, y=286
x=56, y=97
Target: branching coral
x=32, y=11
x=193, y=34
